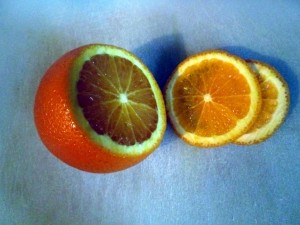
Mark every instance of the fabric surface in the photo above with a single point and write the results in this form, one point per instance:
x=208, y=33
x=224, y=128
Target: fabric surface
x=178, y=183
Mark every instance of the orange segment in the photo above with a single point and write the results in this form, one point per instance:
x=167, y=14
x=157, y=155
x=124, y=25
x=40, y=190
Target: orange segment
x=237, y=104
x=275, y=103
x=212, y=98
x=214, y=120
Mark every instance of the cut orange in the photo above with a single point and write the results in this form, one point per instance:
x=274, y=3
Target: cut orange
x=212, y=98
x=99, y=109
x=275, y=104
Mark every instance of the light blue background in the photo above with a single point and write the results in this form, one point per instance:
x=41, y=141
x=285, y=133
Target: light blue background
x=177, y=184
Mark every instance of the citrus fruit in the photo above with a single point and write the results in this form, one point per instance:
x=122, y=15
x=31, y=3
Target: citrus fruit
x=212, y=98
x=275, y=104
x=99, y=109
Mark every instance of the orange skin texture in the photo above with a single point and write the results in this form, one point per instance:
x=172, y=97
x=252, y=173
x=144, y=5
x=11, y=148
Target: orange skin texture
x=59, y=130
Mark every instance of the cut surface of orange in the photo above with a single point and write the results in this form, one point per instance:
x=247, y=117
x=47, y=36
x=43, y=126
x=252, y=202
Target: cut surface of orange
x=275, y=104
x=212, y=98
x=99, y=109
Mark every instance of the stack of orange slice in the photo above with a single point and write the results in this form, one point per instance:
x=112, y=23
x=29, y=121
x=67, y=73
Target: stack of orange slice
x=214, y=98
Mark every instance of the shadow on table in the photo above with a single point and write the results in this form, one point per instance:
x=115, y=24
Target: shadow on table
x=161, y=55
x=282, y=67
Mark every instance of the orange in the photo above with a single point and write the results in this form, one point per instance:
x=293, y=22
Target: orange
x=212, y=98
x=275, y=104
x=99, y=109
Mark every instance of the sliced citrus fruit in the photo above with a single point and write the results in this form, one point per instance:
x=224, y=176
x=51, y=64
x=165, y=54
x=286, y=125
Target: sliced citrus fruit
x=212, y=98
x=99, y=109
x=275, y=104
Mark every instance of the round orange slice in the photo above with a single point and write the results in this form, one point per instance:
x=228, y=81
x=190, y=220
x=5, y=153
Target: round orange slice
x=275, y=104
x=212, y=98
x=99, y=109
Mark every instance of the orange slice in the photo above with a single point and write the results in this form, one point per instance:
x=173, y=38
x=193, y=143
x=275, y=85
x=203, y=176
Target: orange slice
x=99, y=109
x=275, y=104
x=212, y=98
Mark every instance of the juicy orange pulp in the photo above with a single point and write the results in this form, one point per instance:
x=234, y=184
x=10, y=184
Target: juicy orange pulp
x=212, y=104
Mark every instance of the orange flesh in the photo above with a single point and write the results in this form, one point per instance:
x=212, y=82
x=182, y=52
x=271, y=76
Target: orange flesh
x=210, y=97
x=118, y=104
x=269, y=104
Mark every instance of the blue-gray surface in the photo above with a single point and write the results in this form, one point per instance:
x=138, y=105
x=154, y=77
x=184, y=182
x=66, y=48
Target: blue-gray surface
x=177, y=184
